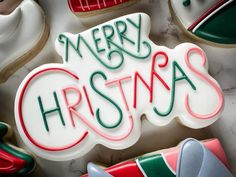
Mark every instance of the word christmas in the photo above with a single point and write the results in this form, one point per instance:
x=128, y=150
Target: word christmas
x=111, y=75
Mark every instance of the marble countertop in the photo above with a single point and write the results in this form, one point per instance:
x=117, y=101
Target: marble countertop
x=222, y=66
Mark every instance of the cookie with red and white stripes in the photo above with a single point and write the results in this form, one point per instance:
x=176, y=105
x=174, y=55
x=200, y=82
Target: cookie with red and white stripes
x=85, y=8
x=210, y=21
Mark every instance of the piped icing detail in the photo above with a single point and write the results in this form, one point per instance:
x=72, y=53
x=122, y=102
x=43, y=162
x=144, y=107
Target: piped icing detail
x=112, y=74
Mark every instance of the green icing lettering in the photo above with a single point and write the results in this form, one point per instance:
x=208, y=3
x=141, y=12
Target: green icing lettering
x=97, y=40
x=118, y=50
x=138, y=26
x=101, y=74
x=121, y=28
x=142, y=57
x=174, y=80
x=80, y=40
x=65, y=40
x=45, y=113
x=108, y=32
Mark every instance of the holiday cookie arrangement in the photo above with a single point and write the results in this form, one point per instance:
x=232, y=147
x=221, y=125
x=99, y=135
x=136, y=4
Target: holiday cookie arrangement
x=126, y=75
x=110, y=77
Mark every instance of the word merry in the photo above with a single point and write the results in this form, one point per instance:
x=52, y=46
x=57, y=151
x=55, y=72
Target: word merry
x=108, y=33
x=111, y=75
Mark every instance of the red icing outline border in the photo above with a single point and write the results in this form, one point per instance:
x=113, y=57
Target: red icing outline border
x=21, y=116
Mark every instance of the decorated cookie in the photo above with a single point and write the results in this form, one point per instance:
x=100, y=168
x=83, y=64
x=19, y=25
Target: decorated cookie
x=23, y=33
x=192, y=158
x=13, y=161
x=7, y=6
x=93, y=7
x=197, y=160
x=208, y=20
x=111, y=75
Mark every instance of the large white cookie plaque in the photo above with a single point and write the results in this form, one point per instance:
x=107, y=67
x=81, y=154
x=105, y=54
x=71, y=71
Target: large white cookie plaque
x=110, y=76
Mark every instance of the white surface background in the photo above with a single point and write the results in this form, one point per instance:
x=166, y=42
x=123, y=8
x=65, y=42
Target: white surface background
x=222, y=62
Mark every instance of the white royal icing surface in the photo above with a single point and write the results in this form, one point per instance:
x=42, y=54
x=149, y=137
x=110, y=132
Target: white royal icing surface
x=188, y=15
x=58, y=142
x=20, y=31
x=9, y=24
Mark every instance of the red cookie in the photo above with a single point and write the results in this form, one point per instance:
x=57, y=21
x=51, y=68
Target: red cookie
x=93, y=7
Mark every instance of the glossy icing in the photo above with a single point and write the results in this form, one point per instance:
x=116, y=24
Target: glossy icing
x=20, y=31
x=112, y=74
x=217, y=28
x=90, y=5
x=13, y=161
x=7, y=6
x=160, y=163
x=207, y=19
x=95, y=171
x=191, y=13
x=9, y=24
x=197, y=160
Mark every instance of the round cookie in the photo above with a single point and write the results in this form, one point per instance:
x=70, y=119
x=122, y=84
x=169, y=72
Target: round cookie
x=208, y=21
x=23, y=33
x=85, y=8
x=13, y=160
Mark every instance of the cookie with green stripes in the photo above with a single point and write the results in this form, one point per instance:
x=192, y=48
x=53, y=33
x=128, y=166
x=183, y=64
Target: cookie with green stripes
x=13, y=160
x=191, y=158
